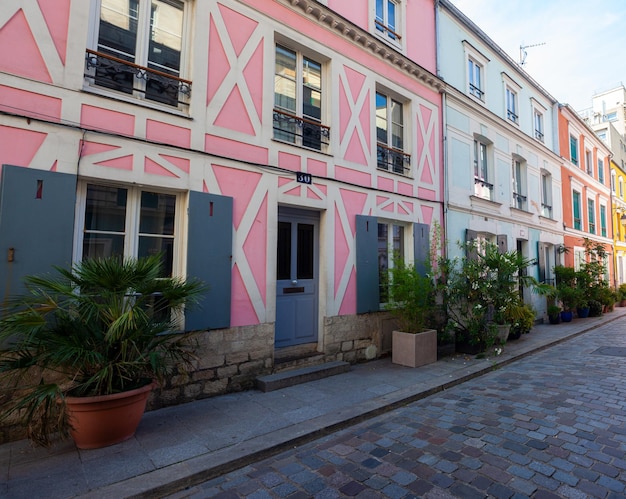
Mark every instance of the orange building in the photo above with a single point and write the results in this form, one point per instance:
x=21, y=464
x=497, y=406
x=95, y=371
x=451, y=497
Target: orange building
x=585, y=181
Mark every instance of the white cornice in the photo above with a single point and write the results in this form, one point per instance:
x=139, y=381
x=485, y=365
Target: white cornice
x=323, y=15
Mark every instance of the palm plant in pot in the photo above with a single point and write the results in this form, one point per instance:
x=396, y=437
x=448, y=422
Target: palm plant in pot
x=98, y=330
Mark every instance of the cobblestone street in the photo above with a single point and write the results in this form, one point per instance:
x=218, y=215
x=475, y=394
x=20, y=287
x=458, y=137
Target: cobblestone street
x=550, y=425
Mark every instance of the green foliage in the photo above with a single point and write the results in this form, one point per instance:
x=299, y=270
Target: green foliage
x=553, y=310
x=595, y=308
x=621, y=292
x=411, y=298
x=484, y=289
x=522, y=319
x=95, y=329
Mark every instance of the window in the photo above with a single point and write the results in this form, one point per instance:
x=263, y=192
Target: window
x=613, y=182
x=602, y=134
x=573, y=149
x=579, y=257
x=600, y=171
x=538, y=122
x=386, y=21
x=546, y=195
x=519, y=181
x=129, y=222
x=482, y=187
x=298, y=100
x=139, y=50
x=621, y=188
x=589, y=162
x=390, y=135
x=591, y=214
x=603, y=220
x=511, y=105
x=576, y=210
x=475, y=78
x=390, y=246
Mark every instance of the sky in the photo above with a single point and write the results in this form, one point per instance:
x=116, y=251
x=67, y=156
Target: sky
x=584, y=49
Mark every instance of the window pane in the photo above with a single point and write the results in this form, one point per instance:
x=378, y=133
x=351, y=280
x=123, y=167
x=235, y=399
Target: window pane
x=311, y=74
x=166, y=35
x=285, y=79
x=391, y=18
x=381, y=118
x=305, y=251
x=118, y=28
x=103, y=245
x=157, y=213
x=380, y=13
x=397, y=129
x=117, y=36
x=283, y=257
x=105, y=209
x=164, y=246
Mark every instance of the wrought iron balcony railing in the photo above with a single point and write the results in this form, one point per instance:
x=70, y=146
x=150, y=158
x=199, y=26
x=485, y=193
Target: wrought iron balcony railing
x=111, y=72
x=393, y=160
x=483, y=189
x=301, y=131
x=546, y=210
x=519, y=201
x=475, y=91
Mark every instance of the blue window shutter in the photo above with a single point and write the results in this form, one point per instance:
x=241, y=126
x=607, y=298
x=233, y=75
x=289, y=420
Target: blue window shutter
x=209, y=256
x=36, y=224
x=367, y=292
x=421, y=248
x=541, y=261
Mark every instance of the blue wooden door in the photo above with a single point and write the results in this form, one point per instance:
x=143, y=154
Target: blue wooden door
x=297, y=277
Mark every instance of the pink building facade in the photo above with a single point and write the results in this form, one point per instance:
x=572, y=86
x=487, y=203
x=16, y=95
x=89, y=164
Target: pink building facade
x=278, y=150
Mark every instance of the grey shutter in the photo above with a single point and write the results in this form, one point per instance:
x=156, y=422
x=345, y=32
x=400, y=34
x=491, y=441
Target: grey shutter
x=421, y=248
x=541, y=261
x=502, y=243
x=367, y=292
x=36, y=224
x=470, y=239
x=209, y=257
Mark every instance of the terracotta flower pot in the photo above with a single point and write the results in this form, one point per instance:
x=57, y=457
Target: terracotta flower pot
x=106, y=419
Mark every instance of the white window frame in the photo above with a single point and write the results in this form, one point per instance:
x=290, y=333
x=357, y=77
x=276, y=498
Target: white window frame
x=141, y=56
x=591, y=215
x=300, y=120
x=381, y=27
x=475, y=61
x=483, y=168
x=388, y=147
x=518, y=179
x=386, y=251
x=579, y=257
x=589, y=161
x=131, y=229
x=511, y=99
x=546, y=194
x=600, y=170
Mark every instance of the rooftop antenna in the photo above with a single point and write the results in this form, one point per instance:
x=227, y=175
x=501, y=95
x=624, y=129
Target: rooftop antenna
x=523, y=54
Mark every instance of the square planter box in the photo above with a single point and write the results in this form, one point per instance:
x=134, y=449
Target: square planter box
x=414, y=350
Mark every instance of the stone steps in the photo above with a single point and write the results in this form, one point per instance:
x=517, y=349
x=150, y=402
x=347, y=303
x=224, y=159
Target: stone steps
x=293, y=377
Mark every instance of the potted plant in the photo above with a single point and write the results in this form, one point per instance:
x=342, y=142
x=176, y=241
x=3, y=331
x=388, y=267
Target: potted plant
x=582, y=309
x=554, y=314
x=522, y=320
x=621, y=295
x=484, y=294
x=595, y=308
x=94, y=332
x=566, y=291
x=411, y=301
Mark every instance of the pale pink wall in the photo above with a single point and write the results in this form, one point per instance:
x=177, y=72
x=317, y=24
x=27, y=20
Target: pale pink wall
x=353, y=10
x=420, y=33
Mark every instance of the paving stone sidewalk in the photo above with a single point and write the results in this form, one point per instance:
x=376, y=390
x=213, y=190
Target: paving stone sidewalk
x=179, y=447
